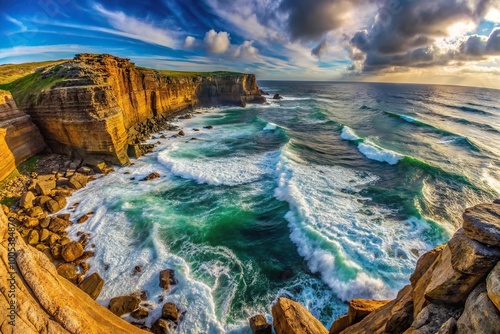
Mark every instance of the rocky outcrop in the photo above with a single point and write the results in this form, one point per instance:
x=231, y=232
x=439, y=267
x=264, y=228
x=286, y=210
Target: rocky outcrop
x=38, y=300
x=454, y=288
x=290, y=317
x=105, y=97
x=19, y=137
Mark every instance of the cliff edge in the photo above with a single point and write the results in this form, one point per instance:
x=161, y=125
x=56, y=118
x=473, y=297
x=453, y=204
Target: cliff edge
x=87, y=106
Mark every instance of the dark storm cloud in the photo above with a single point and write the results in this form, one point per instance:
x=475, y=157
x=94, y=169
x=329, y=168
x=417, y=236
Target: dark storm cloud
x=405, y=31
x=320, y=49
x=310, y=20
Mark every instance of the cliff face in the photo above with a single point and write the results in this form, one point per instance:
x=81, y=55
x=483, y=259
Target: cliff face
x=96, y=99
x=19, y=137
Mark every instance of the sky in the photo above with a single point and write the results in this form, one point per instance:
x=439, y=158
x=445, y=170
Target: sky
x=419, y=41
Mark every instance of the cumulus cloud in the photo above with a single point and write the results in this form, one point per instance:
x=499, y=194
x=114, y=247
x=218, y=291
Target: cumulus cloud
x=216, y=42
x=245, y=51
x=189, y=42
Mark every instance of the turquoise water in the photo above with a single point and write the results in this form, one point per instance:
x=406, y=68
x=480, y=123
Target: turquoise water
x=327, y=195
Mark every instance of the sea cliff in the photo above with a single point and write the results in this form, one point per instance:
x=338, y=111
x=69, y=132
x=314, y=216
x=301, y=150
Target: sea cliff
x=19, y=137
x=87, y=107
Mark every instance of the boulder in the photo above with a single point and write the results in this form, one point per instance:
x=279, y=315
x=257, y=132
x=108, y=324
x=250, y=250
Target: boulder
x=53, y=238
x=33, y=237
x=64, y=216
x=162, y=326
x=424, y=263
x=67, y=270
x=340, y=324
x=140, y=313
x=123, y=304
x=61, y=200
x=26, y=200
x=31, y=222
x=45, y=222
x=432, y=318
x=58, y=225
x=259, y=325
x=170, y=312
x=471, y=257
x=34, y=212
x=360, y=308
x=52, y=206
x=479, y=315
x=45, y=187
x=83, y=219
x=449, y=327
x=482, y=223
x=181, y=133
x=493, y=286
x=92, y=285
x=72, y=251
x=167, y=278
x=152, y=176
x=78, y=179
x=41, y=200
x=56, y=251
x=290, y=317
x=277, y=97
x=448, y=285
x=44, y=234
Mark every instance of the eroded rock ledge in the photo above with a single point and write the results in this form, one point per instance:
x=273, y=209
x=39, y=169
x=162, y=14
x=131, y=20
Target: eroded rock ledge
x=88, y=105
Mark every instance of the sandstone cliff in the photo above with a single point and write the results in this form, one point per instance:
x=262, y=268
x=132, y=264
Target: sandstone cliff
x=19, y=137
x=35, y=299
x=87, y=106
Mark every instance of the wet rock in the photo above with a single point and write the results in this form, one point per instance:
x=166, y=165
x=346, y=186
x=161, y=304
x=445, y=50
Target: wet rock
x=152, y=176
x=67, y=270
x=82, y=219
x=92, y=285
x=291, y=317
x=123, y=304
x=167, y=278
x=259, y=325
x=72, y=251
x=209, y=127
x=170, y=312
x=140, y=313
x=472, y=257
x=482, y=223
x=493, y=286
x=162, y=326
x=480, y=314
x=277, y=97
x=26, y=200
x=64, y=216
x=58, y=225
x=181, y=133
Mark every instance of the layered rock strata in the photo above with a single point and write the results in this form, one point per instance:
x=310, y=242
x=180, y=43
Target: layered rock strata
x=93, y=101
x=19, y=137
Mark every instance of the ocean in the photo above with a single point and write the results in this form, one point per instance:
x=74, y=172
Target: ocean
x=329, y=194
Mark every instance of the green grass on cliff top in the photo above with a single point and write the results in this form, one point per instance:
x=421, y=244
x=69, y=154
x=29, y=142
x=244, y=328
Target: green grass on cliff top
x=179, y=74
x=12, y=72
x=24, y=90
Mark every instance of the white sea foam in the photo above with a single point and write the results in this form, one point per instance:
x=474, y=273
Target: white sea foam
x=371, y=150
x=342, y=239
x=374, y=152
x=229, y=171
x=270, y=126
x=407, y=118
x=349, y=134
